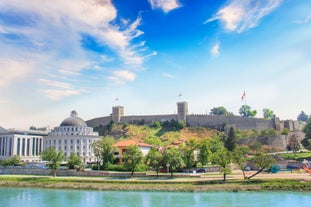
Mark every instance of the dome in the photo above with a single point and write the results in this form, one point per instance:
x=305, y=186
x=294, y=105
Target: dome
x=74, y=120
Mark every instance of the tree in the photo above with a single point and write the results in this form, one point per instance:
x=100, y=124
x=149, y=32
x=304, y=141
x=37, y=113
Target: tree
x=293, y=144
x=230, y=140
x=204, y=152
x=97, y=150
x=154, y=159
x=74, y=161
x=219, y=111
x=12, y=161
x=240, y=159
x=173, y=158
x=132, y=158
x=306, y=142
x=302, y=117
x=246, y=111
x=107, y=150
x=54, y=158
x=188, y=153
x=267, y=113
x=256, y=146
x=261, y=161
x=223, y=158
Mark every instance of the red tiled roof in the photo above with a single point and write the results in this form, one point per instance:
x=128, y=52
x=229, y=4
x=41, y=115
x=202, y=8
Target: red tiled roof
x=126, y=143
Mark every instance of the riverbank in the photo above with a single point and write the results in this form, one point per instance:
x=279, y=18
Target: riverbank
x=154, y=184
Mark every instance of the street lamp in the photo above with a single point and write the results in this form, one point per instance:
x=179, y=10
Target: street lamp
x=167, y=167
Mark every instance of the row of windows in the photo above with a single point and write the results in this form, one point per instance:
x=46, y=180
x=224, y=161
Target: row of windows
x=71, y=141
x=67, y=129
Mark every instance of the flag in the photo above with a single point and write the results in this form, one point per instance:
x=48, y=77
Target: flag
x=179, y=95
x=243, y=96
x=117, y=99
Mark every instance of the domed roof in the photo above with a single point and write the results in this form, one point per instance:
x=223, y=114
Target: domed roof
x=74, y=120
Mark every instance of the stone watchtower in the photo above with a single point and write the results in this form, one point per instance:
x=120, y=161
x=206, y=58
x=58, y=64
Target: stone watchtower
x=182, y=111
x=117, y=113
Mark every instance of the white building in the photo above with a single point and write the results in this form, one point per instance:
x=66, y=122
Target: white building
x=73, y=135
x=27, y=144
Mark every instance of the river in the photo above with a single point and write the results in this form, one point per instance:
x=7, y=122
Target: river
x=33, y=197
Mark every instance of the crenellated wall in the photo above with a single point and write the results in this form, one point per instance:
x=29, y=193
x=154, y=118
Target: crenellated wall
x=218, y=122
x=212, y=121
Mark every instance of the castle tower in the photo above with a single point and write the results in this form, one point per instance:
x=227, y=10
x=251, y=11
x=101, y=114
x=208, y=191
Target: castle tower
x=182, y=111
x=117, y=113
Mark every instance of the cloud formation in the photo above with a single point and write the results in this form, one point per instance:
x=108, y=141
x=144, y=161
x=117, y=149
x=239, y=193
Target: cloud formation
x=215, y=50
x=120, y=77
x=241, y=15
x=62, y=40
x=165, y=5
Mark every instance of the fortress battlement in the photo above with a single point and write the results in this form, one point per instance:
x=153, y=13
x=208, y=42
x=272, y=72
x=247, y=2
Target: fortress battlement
x=205, y=120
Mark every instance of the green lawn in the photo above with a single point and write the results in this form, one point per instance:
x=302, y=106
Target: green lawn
x=298, y=156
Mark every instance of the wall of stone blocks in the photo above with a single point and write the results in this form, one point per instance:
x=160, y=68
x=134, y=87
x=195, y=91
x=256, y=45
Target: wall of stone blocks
x=148, y=119
x=216, y=121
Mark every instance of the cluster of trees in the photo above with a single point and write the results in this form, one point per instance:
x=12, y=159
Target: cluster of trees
x=245, y=111
x=218, y=150
x=55, y=158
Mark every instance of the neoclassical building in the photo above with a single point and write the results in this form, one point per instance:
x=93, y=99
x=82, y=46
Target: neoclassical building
x=27, y=144
x=73, y=135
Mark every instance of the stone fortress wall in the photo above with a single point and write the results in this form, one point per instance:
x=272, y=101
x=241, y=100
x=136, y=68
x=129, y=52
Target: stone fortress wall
x=212, y=121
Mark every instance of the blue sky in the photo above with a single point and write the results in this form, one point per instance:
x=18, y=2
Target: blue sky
x=57, y=56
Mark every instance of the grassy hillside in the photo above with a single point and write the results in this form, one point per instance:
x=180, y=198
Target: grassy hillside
x=159, y=135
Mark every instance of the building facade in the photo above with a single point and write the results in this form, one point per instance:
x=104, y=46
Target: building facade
x=27, y=144
x=73, y=136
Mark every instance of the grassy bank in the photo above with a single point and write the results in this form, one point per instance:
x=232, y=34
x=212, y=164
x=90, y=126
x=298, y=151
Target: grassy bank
x=155, y=185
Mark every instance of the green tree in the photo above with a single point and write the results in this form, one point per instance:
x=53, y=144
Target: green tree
x=219, y=111
x=97, y=150
x=239, y=157
x=204, y=152
x=12, y=161
x=173, y=158
x=223, y=158
x=107, y=150
x=246, y=111
x=261, y=161
x=267, y=113
x=132, y=158
x=154, y=159
x=188, y=153
x=230, y=140
x=54, y=158
x=256, y=146
x=306, y=142
x=293, y=144
x=302, y=116
x=74, y=162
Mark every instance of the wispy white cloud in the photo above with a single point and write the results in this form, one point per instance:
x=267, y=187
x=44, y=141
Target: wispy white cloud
x=122, y=76
x=165, y=5
x=57, y=84
x=305, y=20
x=215, y=50
x=57, y=94
x=168, y=75
x=241, y=15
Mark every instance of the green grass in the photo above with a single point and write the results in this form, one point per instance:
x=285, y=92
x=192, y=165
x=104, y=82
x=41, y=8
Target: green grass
x=298, y=156
x=161, y=184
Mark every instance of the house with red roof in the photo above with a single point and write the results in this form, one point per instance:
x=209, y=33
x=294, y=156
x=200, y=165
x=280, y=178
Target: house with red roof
x=123, y=145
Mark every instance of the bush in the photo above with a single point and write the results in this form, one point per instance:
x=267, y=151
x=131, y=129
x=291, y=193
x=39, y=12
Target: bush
x=141, y=168
x=119, y=168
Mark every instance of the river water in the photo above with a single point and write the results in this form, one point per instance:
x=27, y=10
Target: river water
x=33, y=197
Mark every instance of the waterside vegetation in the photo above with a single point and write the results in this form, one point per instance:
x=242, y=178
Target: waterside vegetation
x=166, y=184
